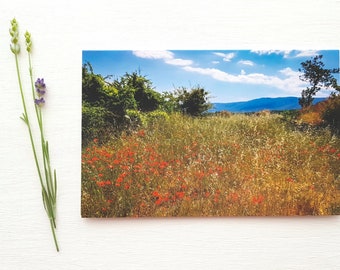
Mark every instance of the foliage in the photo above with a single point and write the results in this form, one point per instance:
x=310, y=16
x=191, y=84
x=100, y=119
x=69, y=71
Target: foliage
x=170, y=102
x=331, y=114
x=107, y=105
x=146, y=98
x=323, y=114
x=224, y=113
x=129, y=102
x=212, y=166
x=193, y=102
x=137, y=118
x=115, y=96
x=311, y=118
x=317, y=76
x=289, y=115
x=97, y=123
x=140, y=119
x=156, y=116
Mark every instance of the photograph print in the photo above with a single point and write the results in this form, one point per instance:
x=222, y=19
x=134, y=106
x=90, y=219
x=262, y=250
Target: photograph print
x=210, y=133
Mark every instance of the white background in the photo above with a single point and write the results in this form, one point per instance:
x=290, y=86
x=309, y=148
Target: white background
x=60, y=31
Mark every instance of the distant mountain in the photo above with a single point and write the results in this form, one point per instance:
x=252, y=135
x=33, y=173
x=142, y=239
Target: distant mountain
x=255, y=105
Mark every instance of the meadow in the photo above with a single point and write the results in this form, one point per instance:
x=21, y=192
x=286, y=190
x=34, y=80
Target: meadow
x=217, y=165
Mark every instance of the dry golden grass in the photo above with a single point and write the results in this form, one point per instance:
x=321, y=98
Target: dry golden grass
x=213, y=166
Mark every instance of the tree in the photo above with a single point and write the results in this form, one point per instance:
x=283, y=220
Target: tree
x=317, y=76
x=193, y=102
x=92, y=85
x=170, y=101
x=147, y=99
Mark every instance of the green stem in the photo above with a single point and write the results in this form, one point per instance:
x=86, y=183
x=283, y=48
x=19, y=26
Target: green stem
x=26, y=119
x=52, y=223
x=49, y=196
x=48, y=175
x=44, y=144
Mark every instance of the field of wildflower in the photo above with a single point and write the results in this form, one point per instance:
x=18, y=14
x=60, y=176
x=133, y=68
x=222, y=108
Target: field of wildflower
x=235, y=165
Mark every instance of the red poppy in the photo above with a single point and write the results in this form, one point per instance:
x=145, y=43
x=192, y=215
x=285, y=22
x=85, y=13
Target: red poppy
x=100, y=183
x=289, y=179
x=180, y=194
x=116, y=162
x=258, y=199
x=158, y=201
x=156, y=194
x=141, y=133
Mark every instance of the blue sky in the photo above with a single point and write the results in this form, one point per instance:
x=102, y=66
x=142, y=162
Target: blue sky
x=229, y=76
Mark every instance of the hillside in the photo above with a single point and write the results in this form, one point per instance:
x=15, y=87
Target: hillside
x=273, y=104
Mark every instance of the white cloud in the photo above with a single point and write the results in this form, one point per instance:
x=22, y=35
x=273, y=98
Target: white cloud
x=290, y=83
x=285, y=53
x=307, y=53
x=219, y=54
x=226, y=56
x=286, y=80
x=246, y=62
x=179, y=62
x=166, y=56
x=212, y=72
x=289, y=72
x=154, y=54
x=215, y=62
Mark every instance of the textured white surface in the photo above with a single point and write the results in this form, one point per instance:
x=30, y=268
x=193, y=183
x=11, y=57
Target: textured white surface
x=61, y=30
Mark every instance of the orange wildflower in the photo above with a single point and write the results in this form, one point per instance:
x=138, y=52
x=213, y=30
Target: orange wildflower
x=289, y=179
x=257, y=199
x=180, y=194
x=158, y=201
x=100, y=183
x=155, y=194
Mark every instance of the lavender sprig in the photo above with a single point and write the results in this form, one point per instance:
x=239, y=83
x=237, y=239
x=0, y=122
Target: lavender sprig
x=48, y=180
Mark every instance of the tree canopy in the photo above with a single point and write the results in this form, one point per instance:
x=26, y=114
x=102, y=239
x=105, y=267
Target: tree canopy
x=318, y=77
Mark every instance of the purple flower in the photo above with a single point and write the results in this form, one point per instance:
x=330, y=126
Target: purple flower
x=40, y=87
x=39, y=101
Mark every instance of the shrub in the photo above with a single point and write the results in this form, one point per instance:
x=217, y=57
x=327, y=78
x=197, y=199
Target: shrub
x=312, y=118
x=155, y=116
x=289, y=115
x=97, y=122
x=331, y=114
x=137, y=118
x=263, y=113
x=224, y=113
x=140, y=119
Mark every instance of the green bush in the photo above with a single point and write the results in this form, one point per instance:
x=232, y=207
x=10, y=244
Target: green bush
x=136, y=118
x=154, y=116
x=97, y=123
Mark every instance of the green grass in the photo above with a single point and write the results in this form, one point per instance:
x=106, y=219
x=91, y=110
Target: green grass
x=213, y=166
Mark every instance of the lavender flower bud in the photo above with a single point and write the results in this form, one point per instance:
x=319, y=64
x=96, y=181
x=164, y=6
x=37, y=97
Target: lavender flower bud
x=28, y=41
x=39, y=101
x=14, y=32
x=40, y=87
